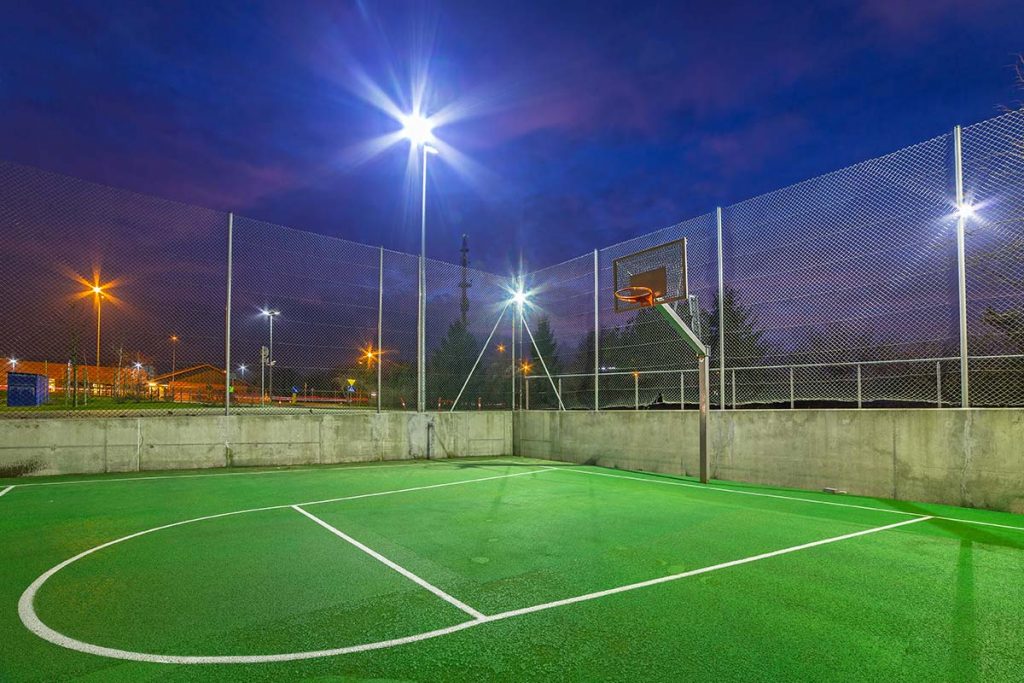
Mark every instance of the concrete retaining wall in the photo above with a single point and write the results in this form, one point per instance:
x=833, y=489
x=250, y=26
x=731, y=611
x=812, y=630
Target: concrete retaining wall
x=962, y=457
x=90, y=445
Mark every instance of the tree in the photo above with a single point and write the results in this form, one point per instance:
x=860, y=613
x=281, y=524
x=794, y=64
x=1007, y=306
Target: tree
x=398, y=385
x=744, y=345
x=449, y=366
x=541, y=394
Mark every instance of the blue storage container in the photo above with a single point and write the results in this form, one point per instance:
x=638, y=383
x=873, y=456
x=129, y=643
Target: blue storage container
x=26, y=389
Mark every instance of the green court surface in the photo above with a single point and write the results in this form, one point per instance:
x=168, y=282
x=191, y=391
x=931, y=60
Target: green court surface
x=505, y=569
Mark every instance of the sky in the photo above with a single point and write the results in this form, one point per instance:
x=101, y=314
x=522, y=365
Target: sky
x=568, y=126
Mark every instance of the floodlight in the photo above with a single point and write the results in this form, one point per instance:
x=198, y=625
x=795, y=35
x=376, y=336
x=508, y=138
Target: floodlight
x=417, y=129
x=519, y=298
x=965, y=211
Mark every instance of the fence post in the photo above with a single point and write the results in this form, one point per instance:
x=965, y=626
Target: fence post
x=682, y=391
x=636, y=391
x=961, y=263
x=380, y=327
x=721, y=313
x=597, y=336
x=512, y=353
x=938, y=383
x=860, y=394
x=734, y=390
x=227, y=322
x=526, y=391
x=560, y=389
x=792, y=391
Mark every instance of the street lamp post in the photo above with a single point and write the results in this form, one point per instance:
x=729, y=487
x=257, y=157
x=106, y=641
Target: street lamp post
x=418, y=130
x=271, y=314
x=174, y=349
x=421, y=399
x=98, y=293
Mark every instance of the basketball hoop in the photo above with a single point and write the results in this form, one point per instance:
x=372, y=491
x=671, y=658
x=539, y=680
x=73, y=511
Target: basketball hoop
x=636, y=295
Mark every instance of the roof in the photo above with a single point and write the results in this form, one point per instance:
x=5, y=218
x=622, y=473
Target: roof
x=189, y=375
x=57, y=371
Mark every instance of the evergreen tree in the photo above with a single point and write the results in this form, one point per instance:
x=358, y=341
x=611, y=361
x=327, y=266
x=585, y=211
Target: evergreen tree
x=541, y=394
x=449, y=366
x=744, y=345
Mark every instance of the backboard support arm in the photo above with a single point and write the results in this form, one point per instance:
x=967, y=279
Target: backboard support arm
x=701, y=351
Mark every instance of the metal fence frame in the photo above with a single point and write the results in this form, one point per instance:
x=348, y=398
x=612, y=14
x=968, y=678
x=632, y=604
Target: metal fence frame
x=992, y=152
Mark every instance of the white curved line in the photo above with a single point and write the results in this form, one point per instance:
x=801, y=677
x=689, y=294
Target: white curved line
x=28, y=616
x=27, y=613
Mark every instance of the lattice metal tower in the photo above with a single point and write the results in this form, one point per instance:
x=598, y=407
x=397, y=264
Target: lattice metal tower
x=465, y=284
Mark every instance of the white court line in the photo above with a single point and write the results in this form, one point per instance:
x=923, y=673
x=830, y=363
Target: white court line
x=3, y=491
x=781, y=497
x=397, y=567
x=350, y=466
x=31, y=620
x=702, y=570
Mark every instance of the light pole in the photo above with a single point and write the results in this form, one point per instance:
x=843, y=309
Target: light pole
x=174, y=349
x=271, y=314
x=98, y=293
x=419, y=131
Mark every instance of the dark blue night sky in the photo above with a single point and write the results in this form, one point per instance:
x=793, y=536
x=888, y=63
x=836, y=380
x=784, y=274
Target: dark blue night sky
x=586, y=123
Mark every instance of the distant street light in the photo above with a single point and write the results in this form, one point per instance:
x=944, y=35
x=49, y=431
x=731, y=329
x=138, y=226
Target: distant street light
x=174, y=348
x=271, y=314
x=13, y=362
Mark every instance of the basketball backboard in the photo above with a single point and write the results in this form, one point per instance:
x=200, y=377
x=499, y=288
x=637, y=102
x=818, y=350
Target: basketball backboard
x=656, y=275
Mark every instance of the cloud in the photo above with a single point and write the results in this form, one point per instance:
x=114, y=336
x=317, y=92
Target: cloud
x=749, y=147
x=919, y=19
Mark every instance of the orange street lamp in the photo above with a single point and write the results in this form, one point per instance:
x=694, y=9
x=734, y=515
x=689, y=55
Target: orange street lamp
x=369, y=356
x=501, y=348
x=97, y=292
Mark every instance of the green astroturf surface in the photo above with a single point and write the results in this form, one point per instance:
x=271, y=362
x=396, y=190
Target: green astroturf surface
x=931, y=600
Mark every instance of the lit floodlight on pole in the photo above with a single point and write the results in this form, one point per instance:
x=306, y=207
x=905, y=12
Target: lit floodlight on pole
x=418, y=129
x=965, y=211
x=271, y=314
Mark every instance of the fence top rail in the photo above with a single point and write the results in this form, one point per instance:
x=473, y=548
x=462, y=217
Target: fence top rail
x=675, y=371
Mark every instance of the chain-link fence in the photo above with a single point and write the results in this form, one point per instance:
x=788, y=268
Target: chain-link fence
x=843, y=290
x=130, y=305
x=840, y=291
